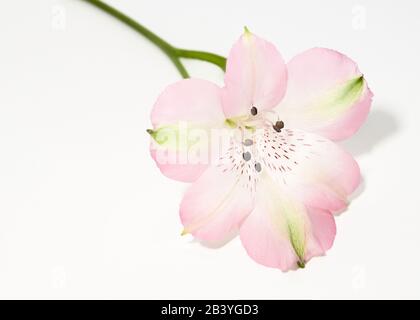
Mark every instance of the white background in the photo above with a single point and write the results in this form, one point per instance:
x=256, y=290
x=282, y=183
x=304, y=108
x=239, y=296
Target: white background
x=85, y=213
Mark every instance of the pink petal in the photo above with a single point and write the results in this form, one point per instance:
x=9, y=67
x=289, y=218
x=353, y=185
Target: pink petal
x=315, y=170
x=191, y=100
x=190, y=104
x=326, y=94
x=264, y=243
x=184, y=172
x=255, y=76
x=323, y=232
x=215, y=205
x=283, y=232
x=304, y=179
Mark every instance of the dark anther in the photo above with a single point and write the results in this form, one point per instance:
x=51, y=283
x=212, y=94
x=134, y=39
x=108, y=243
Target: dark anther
x=254, y=111
x=246, y=156
x=248, y=142
x=258, y=167
x=278, y=126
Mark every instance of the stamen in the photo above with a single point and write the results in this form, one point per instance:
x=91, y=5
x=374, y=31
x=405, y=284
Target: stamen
x=248, y=142
x=278, y=126
x=254, y=111
x=258, y=167
x=246, y=156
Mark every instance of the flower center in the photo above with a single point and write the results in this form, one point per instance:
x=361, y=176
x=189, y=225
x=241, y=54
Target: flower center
x=257, y=119
x=247, y=126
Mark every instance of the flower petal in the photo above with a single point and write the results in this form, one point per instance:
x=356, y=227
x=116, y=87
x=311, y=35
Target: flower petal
x=326, y=94
x=182, y=112
x=282, y=232
x=215, y=205
x=255, y=76
x=315, y=170
x=323, y=232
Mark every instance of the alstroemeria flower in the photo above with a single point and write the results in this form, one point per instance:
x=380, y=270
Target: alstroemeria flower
x=283, y=178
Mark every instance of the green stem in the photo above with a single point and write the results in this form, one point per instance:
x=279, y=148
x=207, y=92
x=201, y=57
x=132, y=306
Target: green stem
x=205, y=56
x=174, y=54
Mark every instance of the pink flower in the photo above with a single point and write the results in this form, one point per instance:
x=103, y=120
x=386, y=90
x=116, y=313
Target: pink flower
x=281, y=178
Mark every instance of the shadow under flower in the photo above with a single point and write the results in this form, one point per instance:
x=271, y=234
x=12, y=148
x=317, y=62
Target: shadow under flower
x=379, y=126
